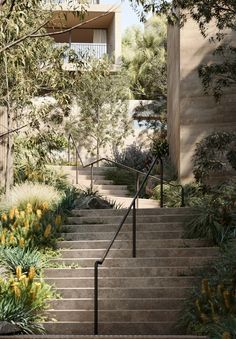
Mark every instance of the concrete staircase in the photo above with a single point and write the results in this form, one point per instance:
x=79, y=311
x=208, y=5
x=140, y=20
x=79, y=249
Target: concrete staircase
x=114, y=193
x=137, y=296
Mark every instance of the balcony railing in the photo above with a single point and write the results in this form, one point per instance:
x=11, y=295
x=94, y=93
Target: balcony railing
x=67, y=3
x=87, y=49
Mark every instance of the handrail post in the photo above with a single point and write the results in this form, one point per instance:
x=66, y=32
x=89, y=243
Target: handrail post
x=68, y=158
x=182, y=197
x=96, y=298
x=134, y=230
x=91, y=176
x=162, y=183
x=77, y=169
x=137, y=186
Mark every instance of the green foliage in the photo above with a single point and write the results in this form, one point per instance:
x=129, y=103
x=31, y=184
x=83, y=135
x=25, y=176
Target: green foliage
x=213, y=154
x=211, y=308
x=12, y=257
x=144, y=57
x=100, y=117
x=38, y=149
x=215, y=218
x=68, y=200
x=134, y=156
x=172, y=192
x=30, y=227
x=23, y=302
x=35, y=91
x=121, y=176
x=31, y=172
x=217, y=75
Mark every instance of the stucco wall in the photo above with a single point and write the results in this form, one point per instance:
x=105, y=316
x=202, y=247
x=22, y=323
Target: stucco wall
x=198, y=114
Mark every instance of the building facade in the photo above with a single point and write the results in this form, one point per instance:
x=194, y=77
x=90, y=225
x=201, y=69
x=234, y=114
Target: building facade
x=192, y=115
x=99, y=33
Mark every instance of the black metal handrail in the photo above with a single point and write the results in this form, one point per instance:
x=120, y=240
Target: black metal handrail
x=131, y=207
x=101, y=261
x=130, y=169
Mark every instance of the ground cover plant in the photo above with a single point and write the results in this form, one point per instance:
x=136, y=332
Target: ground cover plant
x=211, y=308
x=30, y=223
x=216, y=218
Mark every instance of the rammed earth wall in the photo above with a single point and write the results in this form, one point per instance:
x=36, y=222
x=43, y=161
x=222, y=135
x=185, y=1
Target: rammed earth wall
x=192, y=115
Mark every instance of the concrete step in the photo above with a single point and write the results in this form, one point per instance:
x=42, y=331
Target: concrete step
x=138, y=262
x=126, y=292
x=90, y=228
x=122, y=235
x=127, y=244
x=87, y=177
x=86, y=170
x=86, y=181
x=125, y=202
x=118, y=304
x=142, y=252
x=120, y=272
x=117, y=219
x=113, y=193
x=107, y=189
x=119, y=328
x=135, y=316
x=135, y=282
x=141, y=212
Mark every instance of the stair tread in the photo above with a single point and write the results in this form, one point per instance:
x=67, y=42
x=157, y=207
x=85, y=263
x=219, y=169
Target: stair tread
x=152, y=305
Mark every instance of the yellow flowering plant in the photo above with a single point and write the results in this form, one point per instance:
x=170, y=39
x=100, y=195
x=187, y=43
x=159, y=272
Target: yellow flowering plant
x=23, y=301
x=211, y=308
x=30, y=227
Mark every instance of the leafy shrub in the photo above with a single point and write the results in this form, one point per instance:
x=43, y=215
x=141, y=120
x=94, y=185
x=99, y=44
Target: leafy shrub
x=122, y=177
x=26, y=258
x=216, y=219
x=31, y=193
x=24, y=301
x=172, y=194
x=29, y=227
x=68, y=199
x=48, y=176
x=134, y=156
x=211, y=308
x=213, y=154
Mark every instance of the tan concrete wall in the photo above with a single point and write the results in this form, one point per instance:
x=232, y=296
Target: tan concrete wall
x=114, y=38
x=199, y=115
x=173, y=65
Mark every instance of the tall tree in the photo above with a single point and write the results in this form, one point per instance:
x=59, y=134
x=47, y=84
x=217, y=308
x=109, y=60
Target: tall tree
x=144, y=57
x=29, y=69
x=219, y=75
x=100, y=113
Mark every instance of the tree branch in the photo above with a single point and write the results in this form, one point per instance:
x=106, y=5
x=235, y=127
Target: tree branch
x=16, y=42
x=13, y=131
x=34, y=35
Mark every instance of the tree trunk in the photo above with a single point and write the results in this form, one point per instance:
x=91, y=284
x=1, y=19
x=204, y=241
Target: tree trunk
x=6, y=152
x=9, y=156
x=9, y=142
x=98, y=151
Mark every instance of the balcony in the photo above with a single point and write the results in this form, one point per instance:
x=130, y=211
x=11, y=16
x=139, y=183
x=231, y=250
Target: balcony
x=68, y=4
x=94, y=50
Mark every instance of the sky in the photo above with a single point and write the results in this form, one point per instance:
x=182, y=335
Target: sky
x=128, y=16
